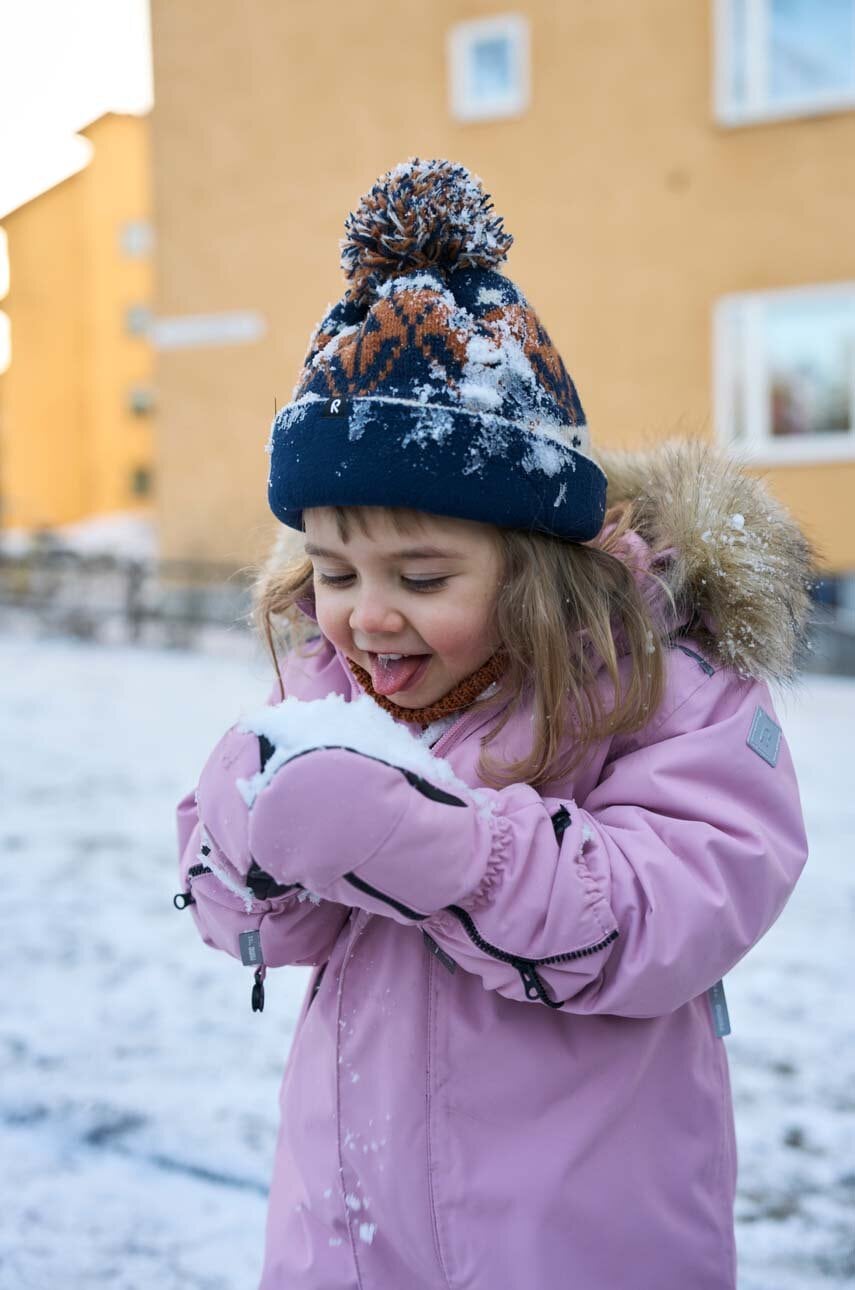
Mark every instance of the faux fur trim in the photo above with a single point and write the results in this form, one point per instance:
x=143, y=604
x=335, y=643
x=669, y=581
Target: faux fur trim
x=740, y=569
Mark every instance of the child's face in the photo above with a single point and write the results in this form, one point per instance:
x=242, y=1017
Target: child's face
x=427, y=593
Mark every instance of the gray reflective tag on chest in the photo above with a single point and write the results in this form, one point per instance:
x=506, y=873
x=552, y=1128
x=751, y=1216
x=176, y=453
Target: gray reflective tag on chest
x=250, y=948
x=718, y=1004
x=764, y=737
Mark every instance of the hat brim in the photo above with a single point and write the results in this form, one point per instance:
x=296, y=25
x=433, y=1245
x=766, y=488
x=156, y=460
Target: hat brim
x=434, y=458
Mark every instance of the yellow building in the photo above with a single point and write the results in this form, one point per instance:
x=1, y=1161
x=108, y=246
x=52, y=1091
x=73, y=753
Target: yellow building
x=678, y=178
x=76, y=397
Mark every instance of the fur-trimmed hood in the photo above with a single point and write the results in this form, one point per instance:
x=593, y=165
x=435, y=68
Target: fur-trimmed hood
x=739, y=567
x=735, y=561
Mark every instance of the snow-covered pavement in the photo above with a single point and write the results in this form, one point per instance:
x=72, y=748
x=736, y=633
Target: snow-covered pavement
x=138, y=1089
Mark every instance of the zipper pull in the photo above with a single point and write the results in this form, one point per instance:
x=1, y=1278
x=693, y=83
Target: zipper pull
x=258, y=989
x=182, y=899
x=528, y=974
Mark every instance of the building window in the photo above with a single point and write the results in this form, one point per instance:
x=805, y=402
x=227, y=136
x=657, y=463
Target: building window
x=137, y=320
x=783, y=58
x=488, y=68
x=141, y=400
x=4, y=264
x=136, y=239
x=785, y=374
x=141, y=481
x=5, y=342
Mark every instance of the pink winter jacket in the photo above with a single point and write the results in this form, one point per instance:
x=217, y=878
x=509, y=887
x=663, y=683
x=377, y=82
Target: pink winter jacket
x=508, y=1072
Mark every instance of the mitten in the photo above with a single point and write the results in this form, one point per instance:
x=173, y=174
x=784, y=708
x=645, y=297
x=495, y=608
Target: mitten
x=224, y=817
x=349, y=798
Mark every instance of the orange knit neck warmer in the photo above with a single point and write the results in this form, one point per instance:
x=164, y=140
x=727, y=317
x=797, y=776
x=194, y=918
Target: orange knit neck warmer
x=460, y=696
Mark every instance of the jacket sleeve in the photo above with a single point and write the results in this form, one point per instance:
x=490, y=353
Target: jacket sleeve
x=631, y=903
x=226, y=892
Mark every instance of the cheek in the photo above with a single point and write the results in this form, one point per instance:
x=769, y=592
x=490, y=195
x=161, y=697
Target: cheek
x=460, y=632
x=332, y=617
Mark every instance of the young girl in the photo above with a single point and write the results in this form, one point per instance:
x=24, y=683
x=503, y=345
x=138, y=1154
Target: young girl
x=520, y=794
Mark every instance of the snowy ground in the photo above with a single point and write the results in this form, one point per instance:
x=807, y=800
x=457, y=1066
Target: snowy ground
x=138, y=1091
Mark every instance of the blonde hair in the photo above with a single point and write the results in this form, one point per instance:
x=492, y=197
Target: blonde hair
x=559, y=609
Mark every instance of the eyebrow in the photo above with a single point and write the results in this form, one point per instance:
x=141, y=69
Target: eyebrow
x=410, y=553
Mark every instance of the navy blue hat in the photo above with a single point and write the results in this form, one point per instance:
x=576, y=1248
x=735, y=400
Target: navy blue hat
x=432, y=384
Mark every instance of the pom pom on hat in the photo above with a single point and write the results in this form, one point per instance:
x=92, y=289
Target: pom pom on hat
x=421, y=214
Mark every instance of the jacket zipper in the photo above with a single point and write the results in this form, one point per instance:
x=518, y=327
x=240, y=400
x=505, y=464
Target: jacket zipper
x=182, y=899
x=532, y=984
x=454, y=732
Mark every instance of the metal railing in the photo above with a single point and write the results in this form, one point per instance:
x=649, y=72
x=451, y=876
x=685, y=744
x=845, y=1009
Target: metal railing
x=101, y=597
x=180, y=602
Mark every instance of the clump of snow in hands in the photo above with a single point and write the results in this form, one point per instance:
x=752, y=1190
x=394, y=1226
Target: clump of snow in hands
x=296, y=727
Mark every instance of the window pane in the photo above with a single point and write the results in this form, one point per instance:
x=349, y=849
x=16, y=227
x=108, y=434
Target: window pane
x=812, y=47
x=811, y=352
x=5, y=342
x=140, y=401
x=141, y=481
x=491, y=67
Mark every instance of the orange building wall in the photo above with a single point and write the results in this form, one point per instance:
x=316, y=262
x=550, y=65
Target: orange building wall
x=633, y=211
x=68, y=443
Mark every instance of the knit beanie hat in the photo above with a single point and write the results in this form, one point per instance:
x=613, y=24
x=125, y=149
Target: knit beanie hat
x=432, y=384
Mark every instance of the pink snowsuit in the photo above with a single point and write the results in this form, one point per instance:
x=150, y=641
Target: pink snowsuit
x=506, y=1074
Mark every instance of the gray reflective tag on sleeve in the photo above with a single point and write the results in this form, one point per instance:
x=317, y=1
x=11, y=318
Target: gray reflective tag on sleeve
x=764, y=737
x=718, y=1004
x=250, y=949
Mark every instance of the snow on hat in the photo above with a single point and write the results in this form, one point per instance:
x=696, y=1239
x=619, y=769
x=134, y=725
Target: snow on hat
x=432, y=384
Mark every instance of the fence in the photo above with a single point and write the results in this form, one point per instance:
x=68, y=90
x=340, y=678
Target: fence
x=100, y=597
x=178, y=602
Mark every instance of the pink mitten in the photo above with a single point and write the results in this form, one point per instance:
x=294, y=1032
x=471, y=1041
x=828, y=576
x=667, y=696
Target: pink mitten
x=371, y=806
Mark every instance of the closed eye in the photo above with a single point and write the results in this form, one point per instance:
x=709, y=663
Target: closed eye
x=412, y=584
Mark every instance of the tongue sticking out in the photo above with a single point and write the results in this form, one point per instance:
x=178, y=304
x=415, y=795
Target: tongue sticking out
x=388, y=676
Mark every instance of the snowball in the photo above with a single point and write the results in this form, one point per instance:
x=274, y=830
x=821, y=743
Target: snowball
x=296, y=726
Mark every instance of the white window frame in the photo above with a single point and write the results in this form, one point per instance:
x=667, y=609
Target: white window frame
x=757, y=105
x=747, y=311
x=463, y=105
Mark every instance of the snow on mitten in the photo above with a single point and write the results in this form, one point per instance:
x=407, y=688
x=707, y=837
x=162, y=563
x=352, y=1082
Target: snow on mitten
x=350, y=797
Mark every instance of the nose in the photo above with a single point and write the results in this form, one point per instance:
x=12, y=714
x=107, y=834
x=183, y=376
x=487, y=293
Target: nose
x=374, y=615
